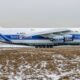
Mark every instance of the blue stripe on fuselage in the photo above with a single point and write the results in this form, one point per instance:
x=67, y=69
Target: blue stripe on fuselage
x=76, y=36
x=22, y=37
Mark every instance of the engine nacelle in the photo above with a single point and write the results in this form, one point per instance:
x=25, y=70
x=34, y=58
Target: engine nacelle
x=58, y=39
x=63, y=38
x=68, y=38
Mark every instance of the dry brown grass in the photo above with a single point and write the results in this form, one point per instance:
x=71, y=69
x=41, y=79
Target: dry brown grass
x=36, y=55
x=16, y=57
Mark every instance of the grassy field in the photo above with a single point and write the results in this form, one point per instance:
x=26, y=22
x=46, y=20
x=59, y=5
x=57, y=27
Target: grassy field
x=61, y=63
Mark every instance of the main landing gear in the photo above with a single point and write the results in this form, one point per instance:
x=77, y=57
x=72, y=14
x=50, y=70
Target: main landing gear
x=44, y=46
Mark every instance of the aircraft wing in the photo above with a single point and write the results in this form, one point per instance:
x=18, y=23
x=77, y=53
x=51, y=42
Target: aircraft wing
x=55, y=31
x=58, y=34
x=50, y=31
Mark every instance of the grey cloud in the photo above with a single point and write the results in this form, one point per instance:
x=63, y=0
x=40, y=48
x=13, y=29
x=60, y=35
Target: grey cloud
x=40, y=13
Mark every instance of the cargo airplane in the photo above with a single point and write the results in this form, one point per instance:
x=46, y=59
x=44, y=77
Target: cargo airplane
x=39, y=37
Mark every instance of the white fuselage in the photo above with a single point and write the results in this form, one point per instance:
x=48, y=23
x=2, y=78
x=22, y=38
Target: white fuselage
x=29, y=36
x=26, y=32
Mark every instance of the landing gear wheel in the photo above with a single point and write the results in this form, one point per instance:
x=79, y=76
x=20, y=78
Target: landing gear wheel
x=44, y=46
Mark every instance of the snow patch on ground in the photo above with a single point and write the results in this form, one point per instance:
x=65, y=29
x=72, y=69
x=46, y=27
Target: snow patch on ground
x=27, y=71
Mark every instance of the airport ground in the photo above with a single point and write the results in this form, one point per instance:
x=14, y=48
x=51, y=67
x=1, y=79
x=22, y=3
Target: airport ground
x=58, y=63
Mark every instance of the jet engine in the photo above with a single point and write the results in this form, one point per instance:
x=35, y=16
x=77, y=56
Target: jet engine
x=58, y=39
x=63, y=38
x=68, y=38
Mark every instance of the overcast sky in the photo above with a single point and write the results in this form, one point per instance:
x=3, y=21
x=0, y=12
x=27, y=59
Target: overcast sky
x=40, y=13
